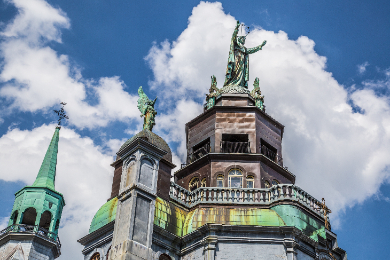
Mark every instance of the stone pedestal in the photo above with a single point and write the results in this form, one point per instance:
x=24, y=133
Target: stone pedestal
x=135, y=213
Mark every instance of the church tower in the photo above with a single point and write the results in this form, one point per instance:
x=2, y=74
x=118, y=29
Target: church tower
x=233, y=198
x=32, y=231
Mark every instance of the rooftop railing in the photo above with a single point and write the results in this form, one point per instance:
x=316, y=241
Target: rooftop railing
x=36, y=230
x=245, y=196
x=272, y=155
x=199, y=153
x=235, y=147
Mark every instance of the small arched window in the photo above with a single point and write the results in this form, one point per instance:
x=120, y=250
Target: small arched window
x=220, y=181
x=45, y=220
x=266, y=184
x=275, y=182
x=250, y=182
x=95, y=256
x=164, y=257
x=203, y=182
x=194, y=184
x=29, y=216
x=235, y=178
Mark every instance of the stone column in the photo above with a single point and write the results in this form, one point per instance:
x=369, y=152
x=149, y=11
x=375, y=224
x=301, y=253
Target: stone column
x=290, y=245
x=210, y=242
x=209, y=249
x=133, y=228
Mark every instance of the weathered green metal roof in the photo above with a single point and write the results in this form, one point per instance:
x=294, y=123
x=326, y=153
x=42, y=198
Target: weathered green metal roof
x=293, y=216
x=47, y=173
x=41, y=195
x=153, y=139
x=181, y=222
x=104, y=215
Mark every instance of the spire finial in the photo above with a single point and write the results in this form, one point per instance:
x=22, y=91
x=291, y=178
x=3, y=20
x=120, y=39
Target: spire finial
x=61, y=114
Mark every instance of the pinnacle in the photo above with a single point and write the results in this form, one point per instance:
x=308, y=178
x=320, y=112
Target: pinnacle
x=47, y=172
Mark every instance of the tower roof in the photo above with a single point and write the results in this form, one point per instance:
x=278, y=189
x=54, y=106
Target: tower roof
x=47, y=173
x=153, y=139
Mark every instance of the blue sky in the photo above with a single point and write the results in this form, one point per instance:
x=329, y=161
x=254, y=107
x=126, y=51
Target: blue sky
x=325, y=74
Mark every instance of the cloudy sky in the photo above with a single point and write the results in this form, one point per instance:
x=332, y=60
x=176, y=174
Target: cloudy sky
x=325, y=74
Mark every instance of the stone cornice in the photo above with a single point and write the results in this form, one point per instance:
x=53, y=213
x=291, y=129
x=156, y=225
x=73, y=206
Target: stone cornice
x=236, y=157
x=140, y=143
x=97, y=233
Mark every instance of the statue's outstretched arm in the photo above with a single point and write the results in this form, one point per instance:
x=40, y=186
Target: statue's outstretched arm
x=257, y=48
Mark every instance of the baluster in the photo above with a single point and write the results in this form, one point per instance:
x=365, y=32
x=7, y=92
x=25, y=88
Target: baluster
x=188, y=198
x=249, y=195
x=272, y=193
x=183, y=196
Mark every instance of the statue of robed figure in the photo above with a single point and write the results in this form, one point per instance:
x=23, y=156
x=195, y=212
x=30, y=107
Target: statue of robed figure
x=237, y=72
x=146, y=107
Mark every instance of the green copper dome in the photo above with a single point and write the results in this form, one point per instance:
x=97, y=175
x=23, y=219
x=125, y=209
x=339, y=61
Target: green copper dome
x=104, y=215
x=153, y=139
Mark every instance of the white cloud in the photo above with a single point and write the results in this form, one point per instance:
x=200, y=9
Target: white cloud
x=3, y=223
x=83, y=176
x=184, y=67
x=381, y=86
x=34, y=77
x=362, y=67
x=334, y=152
x=36, y=21
x=171, y=125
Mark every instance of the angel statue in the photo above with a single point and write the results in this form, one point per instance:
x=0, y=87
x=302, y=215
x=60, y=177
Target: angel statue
x=237, y=72
x=146, y=106
x=213, y=92
x=256, y=94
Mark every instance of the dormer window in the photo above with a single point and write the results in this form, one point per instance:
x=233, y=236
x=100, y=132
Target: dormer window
x=268, y=150
x=199, y=150
x=235, y=143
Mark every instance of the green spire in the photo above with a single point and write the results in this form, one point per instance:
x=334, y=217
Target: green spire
x=47, y=172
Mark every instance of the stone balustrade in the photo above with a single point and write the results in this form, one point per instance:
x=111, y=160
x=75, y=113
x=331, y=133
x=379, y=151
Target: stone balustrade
x=39, y=231
x=245, y=196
